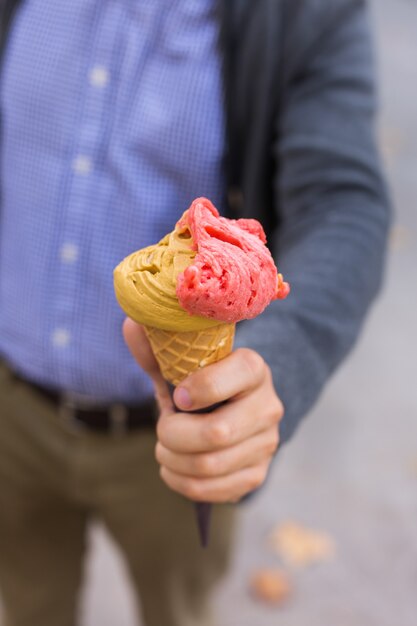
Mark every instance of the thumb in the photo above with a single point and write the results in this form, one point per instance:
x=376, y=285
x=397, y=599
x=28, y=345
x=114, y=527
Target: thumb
x=138, y=344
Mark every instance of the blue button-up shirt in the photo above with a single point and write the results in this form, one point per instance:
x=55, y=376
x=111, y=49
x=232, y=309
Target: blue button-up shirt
x=113, y=123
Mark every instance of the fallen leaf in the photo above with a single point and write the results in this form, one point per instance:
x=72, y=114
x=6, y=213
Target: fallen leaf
x=399, y=238
x=300, y=546
x=271, y=586
x=412, y=467
x=393, y=142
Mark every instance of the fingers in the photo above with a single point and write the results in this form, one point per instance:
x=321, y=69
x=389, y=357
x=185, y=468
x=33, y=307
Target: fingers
x=230, y=488
x=138, y=344
x=249, y=453
x=221, y=455
x=237, y=374
x=227, y=426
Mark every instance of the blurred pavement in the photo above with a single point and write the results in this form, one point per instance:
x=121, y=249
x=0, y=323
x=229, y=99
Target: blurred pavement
x=351, y=471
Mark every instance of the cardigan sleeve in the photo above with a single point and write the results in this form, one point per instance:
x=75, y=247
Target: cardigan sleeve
x=332, y=205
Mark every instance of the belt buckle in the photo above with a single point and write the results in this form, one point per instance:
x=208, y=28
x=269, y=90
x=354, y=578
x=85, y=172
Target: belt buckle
x=118, y=418
x=67, y=414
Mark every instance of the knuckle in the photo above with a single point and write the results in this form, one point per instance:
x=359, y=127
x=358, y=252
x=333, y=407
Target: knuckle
x=206, y=465
x=279, y=409
x=211, y=386
x=257, y=478
x=272, y=444
x=274, y=410
x=163, y=475
x=275, y=439
x=158, y=452
x=191, y=489
x=268, y=374
x=160, y=429
x=275, y=406
x=253, y=362
x=218, y=434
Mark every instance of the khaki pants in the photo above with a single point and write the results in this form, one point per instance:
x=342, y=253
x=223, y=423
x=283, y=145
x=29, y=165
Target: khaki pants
x=53, y=481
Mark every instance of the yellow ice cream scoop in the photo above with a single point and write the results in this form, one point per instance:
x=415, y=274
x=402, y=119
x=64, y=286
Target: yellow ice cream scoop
x=145, y=284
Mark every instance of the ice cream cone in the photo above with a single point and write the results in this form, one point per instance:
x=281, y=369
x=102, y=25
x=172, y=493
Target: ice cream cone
x=192, y=287
x=180, y=353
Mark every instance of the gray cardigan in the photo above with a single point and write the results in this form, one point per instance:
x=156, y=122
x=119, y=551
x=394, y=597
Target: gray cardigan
x=301, y=158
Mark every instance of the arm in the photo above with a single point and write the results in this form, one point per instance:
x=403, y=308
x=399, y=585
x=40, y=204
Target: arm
x=330, y=245
x=333, y=210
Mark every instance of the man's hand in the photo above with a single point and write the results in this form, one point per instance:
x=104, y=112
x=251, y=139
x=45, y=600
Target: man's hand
x=223, y=455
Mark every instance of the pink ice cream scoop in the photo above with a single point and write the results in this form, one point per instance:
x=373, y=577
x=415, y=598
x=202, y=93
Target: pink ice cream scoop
x=233, y=275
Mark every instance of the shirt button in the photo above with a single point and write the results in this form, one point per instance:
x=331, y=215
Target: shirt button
x=69, y=253
x=99, y=76
x=82, y=164
x=61, y=337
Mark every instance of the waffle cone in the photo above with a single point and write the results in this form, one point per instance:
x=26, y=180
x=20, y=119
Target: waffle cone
x=180, y=353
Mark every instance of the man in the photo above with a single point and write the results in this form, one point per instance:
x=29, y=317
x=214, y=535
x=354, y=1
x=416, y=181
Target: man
x=113, y=120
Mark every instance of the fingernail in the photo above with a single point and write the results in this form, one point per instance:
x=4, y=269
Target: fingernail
x=183, y=398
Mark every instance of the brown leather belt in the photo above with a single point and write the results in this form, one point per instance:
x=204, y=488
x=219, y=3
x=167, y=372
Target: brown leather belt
x=80, y=413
